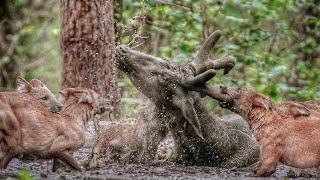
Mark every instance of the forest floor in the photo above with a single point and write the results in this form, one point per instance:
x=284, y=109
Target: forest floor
x=41, y=169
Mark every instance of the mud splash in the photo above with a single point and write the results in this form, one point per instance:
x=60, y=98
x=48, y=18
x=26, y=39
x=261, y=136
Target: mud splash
x=41, y=169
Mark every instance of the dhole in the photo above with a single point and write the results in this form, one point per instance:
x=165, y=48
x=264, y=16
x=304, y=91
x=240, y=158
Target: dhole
x=11, y=102
x=39, y=90
x=43, y=133
x=298, y=110
x=292, y=142
x=122, y=141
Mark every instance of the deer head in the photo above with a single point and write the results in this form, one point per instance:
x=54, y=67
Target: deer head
x=173, y=85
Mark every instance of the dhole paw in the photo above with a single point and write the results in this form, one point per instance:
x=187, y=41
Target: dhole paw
x=93, y=164
x=264, y=173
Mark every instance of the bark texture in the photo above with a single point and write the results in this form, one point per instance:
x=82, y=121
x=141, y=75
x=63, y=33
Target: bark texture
x=88, y=44
x=8, y=64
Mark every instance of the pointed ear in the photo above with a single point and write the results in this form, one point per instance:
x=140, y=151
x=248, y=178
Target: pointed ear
x=262, y=101
x=84, y=97
x=65, y=92
x=36, y=83
x=23, y=85
x=297, y=109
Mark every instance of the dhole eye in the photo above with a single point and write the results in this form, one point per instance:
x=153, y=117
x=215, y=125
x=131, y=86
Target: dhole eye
x=45, y=98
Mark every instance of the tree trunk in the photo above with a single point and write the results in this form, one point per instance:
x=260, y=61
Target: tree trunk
x=88, y=44
x=8, y=64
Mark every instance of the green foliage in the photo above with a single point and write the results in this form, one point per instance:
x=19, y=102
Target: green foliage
x=25, y=174
x=275, y=42
x=274, y=56
x=130, y=102
x=35, y=40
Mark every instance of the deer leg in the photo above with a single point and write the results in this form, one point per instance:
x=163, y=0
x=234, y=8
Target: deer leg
x=67, y=158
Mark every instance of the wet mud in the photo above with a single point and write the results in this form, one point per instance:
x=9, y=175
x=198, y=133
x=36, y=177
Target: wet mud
x=42, y=169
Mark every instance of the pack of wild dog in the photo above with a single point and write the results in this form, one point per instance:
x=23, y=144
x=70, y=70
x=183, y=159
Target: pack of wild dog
x=33, y=121
x=288, y=132
x=29, y=127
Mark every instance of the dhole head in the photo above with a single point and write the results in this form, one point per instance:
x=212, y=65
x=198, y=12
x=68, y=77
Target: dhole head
x=84, y=95
x=39, y=91
x=245, y=99
x=296, y=108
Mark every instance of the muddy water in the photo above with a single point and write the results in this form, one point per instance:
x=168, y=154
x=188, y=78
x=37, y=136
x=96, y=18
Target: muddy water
x=41, y=169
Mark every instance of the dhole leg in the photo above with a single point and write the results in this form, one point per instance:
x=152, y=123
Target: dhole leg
x=67, y=158
x=155, y=132
x=95, y=156
x=57, y=164
x=6, y=159
x=10, y=144
x=101, y=151
x=61, y=144
x=269, y=159
x=10, y=131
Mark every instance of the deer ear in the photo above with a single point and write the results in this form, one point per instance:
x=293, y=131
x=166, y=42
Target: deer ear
x=23, y=85
x=262, y=101
x=36, y=83
x=299, y=110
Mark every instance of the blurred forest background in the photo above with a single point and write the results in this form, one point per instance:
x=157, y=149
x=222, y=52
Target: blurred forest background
x=276, y=43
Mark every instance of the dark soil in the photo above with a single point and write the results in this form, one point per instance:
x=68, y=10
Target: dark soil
x=41, y=169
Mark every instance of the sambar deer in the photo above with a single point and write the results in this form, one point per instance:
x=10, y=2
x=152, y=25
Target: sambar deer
x=292, y=142
x=199, y=137
x=46, y=134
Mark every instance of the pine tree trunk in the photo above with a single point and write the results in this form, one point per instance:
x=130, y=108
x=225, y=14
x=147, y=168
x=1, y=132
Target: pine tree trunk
x=88, y=44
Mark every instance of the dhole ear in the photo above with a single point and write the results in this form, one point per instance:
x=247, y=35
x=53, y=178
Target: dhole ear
x=299, y=110
x=36, y=83
x=23, y=85
x=263, y=102
x=84, y=97
x=64, y=92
